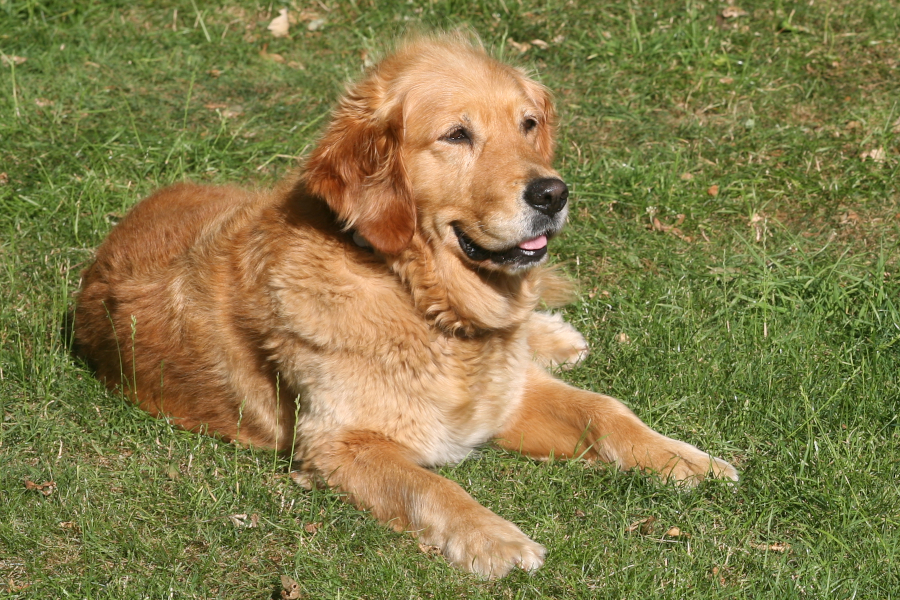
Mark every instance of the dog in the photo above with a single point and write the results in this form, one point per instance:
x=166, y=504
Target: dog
x=376, y=314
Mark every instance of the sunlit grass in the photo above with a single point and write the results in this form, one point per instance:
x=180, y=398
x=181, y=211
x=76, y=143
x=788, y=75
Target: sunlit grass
x=734, y=232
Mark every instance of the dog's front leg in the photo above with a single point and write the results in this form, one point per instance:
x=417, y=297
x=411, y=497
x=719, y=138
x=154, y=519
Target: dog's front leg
x=379, y=475
x=556, y=419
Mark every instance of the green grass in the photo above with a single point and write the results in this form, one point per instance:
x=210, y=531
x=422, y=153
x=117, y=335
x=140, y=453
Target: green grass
x=765, y=327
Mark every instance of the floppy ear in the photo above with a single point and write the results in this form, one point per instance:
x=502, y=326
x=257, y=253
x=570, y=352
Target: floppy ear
x=543, y=100
x=357, y=168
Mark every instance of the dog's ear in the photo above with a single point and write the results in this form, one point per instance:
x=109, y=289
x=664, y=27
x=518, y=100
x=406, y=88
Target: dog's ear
x=357, y=168
x=543, y=101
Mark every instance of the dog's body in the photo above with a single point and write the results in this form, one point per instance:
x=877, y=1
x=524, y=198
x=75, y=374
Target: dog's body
x=375, y=315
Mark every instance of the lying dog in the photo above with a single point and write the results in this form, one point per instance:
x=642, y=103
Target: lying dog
x=375, y=314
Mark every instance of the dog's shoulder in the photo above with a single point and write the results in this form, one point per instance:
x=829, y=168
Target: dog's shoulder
x=325, y=287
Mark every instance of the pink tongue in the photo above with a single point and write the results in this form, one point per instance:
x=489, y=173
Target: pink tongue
x=535, y=244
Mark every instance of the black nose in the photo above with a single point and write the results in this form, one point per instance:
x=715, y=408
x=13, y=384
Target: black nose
x=549, y=195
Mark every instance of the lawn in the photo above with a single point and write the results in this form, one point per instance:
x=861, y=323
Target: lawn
x=735, y=234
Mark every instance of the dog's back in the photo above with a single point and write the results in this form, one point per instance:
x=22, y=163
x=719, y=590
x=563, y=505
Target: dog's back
x=146, y=310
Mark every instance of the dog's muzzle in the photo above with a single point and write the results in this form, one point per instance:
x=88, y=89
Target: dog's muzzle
x=548, y=196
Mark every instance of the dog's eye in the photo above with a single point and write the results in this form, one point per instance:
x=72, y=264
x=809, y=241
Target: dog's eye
x=458, y=135
x=529, y=124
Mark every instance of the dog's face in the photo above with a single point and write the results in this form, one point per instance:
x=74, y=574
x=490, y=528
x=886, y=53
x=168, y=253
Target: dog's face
x=447, y=141
x=478, y=161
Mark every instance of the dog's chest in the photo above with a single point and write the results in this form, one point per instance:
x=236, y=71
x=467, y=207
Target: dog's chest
x=374, y=364
x=361, y=356
x=455, y=395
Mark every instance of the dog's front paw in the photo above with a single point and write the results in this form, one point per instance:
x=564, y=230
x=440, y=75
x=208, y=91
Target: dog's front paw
x=685, y=464
x=486, y=545
x=554, y=343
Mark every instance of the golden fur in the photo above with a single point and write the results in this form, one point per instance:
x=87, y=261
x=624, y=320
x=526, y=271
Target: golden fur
x=375, y=314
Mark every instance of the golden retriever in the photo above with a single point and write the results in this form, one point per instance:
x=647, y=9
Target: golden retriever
x=375, y=314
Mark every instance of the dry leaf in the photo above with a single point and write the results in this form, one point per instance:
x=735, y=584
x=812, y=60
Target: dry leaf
x=214, y=72
x=559, y=39
x=676, y=532
x=43, y=102
x=645, y=526
x=13, y=60
x=850, y=218
x=522, y=48
x=290, y=588
x=4, y=178
x=312, y=528
x=540, y=44
x=713, y=190
x=657, y=225
x=12, y=586
x=733, y=12
x=686, y=176
x=242, y=520
x=316, y=24
x=623, y=338
x=726, y=80
x=878, y=155
x=758, y=223
x=46, y=488
x=896, y=126
x=280, y=24
x=264, y=53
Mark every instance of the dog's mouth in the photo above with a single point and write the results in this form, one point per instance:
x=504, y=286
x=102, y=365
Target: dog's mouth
x=523, y=254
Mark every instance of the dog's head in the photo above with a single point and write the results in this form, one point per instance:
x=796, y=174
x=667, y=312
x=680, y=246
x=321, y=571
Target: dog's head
x=442, y=139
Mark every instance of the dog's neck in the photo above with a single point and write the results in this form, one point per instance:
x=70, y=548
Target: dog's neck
x=456, y=299
x=459, y=300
